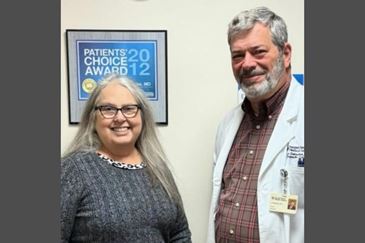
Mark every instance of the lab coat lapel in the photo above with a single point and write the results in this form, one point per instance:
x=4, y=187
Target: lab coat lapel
x=227, y=143
x=284, y=128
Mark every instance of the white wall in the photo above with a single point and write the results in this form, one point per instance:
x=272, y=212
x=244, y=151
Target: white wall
x=201, y=87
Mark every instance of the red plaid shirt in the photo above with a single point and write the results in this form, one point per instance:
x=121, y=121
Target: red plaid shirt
x=236, y=218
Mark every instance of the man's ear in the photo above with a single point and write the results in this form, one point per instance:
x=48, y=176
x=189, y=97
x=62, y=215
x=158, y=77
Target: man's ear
x=287, y=55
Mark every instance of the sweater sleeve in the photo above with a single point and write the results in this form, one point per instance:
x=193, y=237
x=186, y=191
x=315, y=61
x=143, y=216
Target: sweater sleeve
x=71, y=193
x=181, y=232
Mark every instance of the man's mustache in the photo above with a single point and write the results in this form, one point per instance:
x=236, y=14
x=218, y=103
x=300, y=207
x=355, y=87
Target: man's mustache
x=247, y=73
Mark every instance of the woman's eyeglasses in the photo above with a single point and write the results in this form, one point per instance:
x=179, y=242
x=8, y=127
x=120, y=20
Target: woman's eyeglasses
x=107, y=111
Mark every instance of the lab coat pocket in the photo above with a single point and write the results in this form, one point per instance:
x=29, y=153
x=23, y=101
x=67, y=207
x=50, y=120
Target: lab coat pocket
x=296, y=183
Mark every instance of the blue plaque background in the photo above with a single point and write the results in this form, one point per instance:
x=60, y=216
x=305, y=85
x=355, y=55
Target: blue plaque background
x=135, y=59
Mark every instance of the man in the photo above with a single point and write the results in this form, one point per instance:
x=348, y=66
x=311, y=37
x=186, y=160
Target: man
x=259, y=152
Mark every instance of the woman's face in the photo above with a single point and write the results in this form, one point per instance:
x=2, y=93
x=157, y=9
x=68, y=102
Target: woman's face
x=118, y=132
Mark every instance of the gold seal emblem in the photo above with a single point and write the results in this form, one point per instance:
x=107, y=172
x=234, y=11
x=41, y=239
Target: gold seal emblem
x=88, y=85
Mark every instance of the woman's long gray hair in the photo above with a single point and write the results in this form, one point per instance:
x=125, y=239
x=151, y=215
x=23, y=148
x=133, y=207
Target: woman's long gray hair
x=147, y=143
x=245, y=21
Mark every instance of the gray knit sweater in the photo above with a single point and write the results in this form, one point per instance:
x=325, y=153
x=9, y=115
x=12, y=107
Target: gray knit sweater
x=103, y=203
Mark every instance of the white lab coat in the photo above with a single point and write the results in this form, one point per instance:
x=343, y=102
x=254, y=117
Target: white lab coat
x=289, y=131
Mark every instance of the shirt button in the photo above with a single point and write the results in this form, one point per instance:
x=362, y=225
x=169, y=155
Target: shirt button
x=231, y=232
x=237, y=204
x=258, y=127
x=244, y=178
x=270, y=117
x=250, y=152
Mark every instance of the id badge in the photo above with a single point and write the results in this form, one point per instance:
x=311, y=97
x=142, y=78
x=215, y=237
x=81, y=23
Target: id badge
x=283, y=203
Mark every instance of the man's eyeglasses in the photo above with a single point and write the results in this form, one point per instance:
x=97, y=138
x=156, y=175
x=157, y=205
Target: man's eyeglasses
x=107, y=111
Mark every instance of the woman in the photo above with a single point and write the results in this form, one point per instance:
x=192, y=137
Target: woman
x=115, y=183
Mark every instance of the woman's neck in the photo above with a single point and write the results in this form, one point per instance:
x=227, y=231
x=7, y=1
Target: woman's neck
x=126, y=155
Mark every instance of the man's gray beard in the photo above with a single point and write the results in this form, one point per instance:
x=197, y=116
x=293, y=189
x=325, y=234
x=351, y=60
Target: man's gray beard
x=267, y=85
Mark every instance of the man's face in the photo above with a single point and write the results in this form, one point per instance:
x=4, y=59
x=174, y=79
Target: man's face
x=257, y=64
